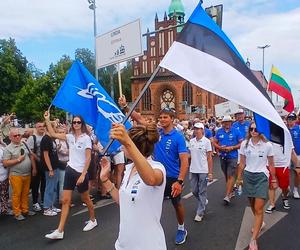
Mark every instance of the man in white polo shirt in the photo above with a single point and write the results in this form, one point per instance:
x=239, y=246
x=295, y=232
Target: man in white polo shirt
x=200, y=168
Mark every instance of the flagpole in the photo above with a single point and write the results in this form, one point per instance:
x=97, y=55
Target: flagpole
x=268, y=86
x=49, y=108
x=137, y=100
x=119, y=79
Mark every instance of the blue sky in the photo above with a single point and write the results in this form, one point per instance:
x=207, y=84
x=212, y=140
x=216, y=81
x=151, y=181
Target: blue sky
x=46, y=30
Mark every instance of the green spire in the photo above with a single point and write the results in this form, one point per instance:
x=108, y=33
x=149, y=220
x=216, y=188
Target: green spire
x=177, y=7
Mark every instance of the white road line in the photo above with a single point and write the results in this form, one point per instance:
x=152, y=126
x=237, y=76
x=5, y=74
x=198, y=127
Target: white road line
x=247, y=223
x=101, y=203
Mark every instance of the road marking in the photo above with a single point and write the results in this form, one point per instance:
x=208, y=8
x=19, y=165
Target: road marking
x=101, y=203
x=189, y=195
x=247, y=223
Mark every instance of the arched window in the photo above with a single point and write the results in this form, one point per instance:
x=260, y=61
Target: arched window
x=187, y=93
x=147, y=100
x=167, y=99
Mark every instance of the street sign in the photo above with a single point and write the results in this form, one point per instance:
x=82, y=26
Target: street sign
x=226, y=108
x=119, y=45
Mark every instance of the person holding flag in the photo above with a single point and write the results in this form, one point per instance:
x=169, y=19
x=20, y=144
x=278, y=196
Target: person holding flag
x=172, y=152
x=76, y=171
x=142, y=190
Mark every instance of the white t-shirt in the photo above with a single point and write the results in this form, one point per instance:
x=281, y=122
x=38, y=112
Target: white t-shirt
x=257, y=156
x=280, y=159
x=140, y=212
x=198, y=150
x=3, y=170
x=77, y=151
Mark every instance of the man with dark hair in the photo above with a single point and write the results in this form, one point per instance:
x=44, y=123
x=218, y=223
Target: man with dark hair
x=171, y=151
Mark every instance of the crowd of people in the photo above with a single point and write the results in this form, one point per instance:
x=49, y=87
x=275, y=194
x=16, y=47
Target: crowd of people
x=54, y=159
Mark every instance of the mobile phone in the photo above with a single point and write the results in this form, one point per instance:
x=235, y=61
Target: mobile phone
x=22, y=151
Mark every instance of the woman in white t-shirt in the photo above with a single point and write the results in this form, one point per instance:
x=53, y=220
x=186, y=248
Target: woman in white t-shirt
x=141, y=192
x=255, y=155
x=76, y=175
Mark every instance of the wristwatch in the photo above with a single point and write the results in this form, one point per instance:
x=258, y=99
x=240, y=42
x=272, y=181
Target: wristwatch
x=180, y=182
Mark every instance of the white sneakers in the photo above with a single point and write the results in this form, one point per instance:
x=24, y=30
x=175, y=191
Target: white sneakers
x=296, y=193
x=56, y=210
x=198, y=218
x=226, y=200
x=36, y=207
x=49, y=212
x=90, y=225
x=55, y=235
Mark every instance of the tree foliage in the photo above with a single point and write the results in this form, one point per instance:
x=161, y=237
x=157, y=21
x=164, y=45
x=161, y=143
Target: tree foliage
x=28, y=91
x=36, y=96
x=13, y=73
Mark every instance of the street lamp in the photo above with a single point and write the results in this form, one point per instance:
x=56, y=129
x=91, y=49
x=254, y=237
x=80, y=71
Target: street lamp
x=263, y=49
x=92, y=6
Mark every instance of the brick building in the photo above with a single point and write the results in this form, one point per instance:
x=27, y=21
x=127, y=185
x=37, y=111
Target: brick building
x=168, y=89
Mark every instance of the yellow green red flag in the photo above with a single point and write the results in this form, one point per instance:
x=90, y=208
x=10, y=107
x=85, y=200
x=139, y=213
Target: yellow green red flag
x=278, y=85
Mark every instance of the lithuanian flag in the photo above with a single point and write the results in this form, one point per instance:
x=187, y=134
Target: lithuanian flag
x=279, y=86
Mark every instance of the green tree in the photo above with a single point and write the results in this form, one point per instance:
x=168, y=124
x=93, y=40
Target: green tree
x=36, y=96
x=87, y=58
x=13, y=73
x=126, y=80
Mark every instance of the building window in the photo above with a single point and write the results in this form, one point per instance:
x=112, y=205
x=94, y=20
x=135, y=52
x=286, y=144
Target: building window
x=170, y=38
x=161, y=42
x=153, y=65
x=136, y=71
x=187, y=93
x=145, y=71
x=167, y=99
x=152, y=51
x=147, y=100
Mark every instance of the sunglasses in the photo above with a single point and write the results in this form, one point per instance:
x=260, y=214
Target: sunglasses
x=76, y=122
x=252, y=129
x=15, y=136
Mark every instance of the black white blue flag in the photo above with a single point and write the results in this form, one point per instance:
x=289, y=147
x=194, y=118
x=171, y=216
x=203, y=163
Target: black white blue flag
x=206, y=57
x=81, y=94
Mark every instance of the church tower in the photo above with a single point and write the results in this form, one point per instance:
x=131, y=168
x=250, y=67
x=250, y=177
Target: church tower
x=176, y=12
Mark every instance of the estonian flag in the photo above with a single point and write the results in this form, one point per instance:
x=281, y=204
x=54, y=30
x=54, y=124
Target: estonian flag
x=206, y=57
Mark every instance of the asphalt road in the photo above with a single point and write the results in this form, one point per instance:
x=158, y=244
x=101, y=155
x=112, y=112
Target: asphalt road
x=223, y=228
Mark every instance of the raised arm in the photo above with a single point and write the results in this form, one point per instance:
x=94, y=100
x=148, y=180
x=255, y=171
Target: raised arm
x=52, y=133
x=134, y=115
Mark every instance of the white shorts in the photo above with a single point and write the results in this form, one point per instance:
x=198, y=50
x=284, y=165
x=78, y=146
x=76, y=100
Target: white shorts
x=119, y=158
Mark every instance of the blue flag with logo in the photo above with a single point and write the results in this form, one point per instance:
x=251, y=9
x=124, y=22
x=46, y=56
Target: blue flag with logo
x=81, y=94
